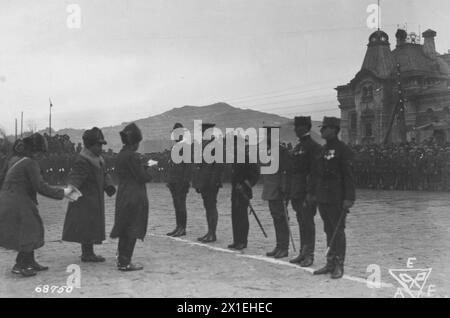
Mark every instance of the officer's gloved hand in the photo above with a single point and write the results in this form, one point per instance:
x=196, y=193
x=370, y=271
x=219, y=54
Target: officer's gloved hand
x=347, y=204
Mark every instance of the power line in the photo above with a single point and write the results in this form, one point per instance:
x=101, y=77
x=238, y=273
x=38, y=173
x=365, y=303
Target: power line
x=281, y=95
x=286, y=90
x=275, y=105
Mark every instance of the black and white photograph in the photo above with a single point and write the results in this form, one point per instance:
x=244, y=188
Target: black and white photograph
x=237, y=151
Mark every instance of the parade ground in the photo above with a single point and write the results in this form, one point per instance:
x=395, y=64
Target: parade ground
x=386, y=230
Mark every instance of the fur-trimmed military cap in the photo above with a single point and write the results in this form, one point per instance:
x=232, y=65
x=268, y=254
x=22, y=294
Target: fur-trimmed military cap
x=93, y=136
x=131, y=134
x=35, y=143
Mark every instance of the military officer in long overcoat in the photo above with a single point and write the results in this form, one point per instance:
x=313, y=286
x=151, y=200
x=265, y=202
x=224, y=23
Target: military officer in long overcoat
x=85, y=218
x=302, y=190
x=131, y=214
x=244, y=176
x=207, y=180
x=178, y=181
x=21, y=226
x=276, y=192
x=335, y=191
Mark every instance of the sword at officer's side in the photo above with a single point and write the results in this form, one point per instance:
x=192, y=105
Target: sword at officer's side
x=252, y=211
x=333, y=237
x=286, y=216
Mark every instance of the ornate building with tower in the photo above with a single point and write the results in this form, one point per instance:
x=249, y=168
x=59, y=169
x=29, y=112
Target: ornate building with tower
x=413, y=73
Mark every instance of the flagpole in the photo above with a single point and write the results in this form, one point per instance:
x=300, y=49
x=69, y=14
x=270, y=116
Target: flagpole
x=50, y=118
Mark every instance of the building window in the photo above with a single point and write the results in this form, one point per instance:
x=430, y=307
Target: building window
x=368, y=129
x=367, y=93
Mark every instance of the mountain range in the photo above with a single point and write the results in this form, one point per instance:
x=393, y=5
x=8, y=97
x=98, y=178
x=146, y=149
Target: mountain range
x=156, y=129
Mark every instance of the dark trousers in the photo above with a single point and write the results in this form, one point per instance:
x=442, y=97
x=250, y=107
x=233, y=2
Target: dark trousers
x=330, y=214
x=209, y=197
x=125, y=250
x=239, y=217
x=280, y=224
x=305, y=218
x=24, y=259
x=179, y=203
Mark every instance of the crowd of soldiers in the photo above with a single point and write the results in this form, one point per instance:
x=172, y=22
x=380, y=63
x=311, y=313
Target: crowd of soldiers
x=409, y=166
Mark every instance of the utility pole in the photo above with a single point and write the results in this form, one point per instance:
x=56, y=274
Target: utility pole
x=16, y=128
x=21, y=125
x=50, y=118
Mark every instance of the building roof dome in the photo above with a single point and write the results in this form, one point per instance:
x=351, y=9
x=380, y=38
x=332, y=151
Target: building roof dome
x=378, y=38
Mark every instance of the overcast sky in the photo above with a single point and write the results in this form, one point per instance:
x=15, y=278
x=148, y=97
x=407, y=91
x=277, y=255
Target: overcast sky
x=135, y=58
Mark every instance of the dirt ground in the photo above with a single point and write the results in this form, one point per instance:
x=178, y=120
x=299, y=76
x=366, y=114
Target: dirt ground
x=384, y=229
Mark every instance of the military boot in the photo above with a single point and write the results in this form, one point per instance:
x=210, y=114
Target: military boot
x=338, y=270
x=298, y=259
x=180, y=232
x=210, y=238
x=173, y=232
x=272, y=253
x=282, y=253
x=328, y=268
x=307, y=261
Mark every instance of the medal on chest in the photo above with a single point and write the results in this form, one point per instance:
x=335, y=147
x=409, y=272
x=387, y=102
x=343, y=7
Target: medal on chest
x=299, y=151
x=329, y=154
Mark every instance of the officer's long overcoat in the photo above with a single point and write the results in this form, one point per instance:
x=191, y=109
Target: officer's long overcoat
x=85, y=218
x=131, y=215
x=21, y=227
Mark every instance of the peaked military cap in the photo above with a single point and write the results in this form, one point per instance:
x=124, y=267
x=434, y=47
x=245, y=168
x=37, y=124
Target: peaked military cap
x=331, y=122
x=303, y=121
x=93, y=136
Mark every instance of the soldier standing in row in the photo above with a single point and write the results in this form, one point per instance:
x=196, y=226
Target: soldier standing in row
x=275, y=190
x=302, y=190
x=243, y=177
x=207, y=180
x=131, y=215
x=178, y=179
x=85, y=218
x=335, y=193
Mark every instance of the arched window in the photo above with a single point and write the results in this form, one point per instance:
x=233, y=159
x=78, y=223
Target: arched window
x=364, y=92
x=370, y=92
x=367, y=93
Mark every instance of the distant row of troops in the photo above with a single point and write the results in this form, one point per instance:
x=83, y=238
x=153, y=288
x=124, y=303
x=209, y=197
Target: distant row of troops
x=310, y=176
x=403, y=169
